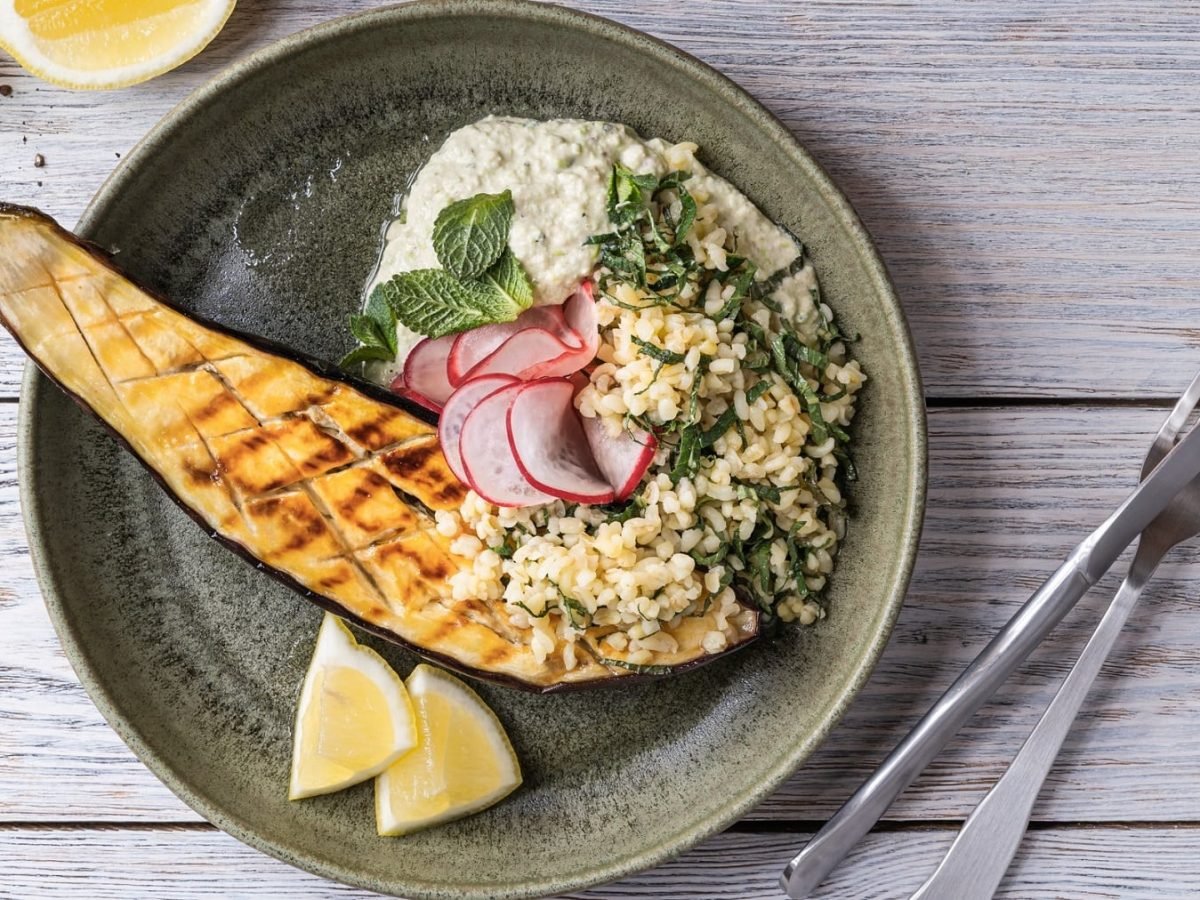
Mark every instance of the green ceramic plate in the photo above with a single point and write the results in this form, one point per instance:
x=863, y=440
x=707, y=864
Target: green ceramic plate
x=258, y=202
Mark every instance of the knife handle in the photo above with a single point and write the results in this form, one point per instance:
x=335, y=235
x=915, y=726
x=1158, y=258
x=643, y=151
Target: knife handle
x=974, y=866
x=1006, y=651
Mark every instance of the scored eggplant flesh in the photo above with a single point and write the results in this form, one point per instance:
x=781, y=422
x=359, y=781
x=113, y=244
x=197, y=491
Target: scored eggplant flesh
x=325, y=481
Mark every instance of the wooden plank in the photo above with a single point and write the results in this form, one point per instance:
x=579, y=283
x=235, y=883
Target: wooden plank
x=1011, y=491
x=55, y=749
x=164, y=864
x=1028, y=171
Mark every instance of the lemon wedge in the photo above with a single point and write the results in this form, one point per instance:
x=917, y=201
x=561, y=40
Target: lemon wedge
x=463, y=762
x=98, y=44
x=355, y=718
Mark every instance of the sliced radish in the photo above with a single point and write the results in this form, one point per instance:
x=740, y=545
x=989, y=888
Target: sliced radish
x=425, y=378
x=472, y=347
x=455, y=412
x=549, y=445
x=623, y=459
x=487, y=455
x=523, y=352
x=580, y=313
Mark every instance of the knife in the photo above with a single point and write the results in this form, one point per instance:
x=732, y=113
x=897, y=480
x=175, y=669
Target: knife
x=1006, y=651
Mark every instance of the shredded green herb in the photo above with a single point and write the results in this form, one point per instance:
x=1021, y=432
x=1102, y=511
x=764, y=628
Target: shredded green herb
x=623, y=512
x=635, y=667
x=505, y=549
x=757, y=390
x=687, y=454
x=724, y=422
x=576, y=611
x=545, y=611
x=648, y=248
x=661, y=354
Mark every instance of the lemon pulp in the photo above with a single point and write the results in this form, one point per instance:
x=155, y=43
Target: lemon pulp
x=463, y=761
x=107, y=43
x=354, y=719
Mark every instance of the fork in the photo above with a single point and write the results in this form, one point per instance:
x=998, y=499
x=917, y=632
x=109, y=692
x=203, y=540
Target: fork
x=1082, y=568
x=981, y=853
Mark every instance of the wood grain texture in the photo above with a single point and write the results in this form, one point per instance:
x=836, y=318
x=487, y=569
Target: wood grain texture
x=1029, y=171
x=1011, y=490
x=1055, y=864
x=1030, y=174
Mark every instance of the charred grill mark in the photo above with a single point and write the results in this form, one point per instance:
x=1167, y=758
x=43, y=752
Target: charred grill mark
x=201, y=475
x=237, y=461
x=372, y=482
x=310, y=448
x=372, y=432
x=431, y=566
x=422, y=468
x=249, y=444
x=411, y=462
x=336, y=580
x=499, y=652
x=309, y=528
x=451, y=622
x=218, y=405
x=330, y=455
x=268, y=506
x=452, y=493
x=351, y=560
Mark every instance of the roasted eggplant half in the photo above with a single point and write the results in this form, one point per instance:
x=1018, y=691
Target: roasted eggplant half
x=325, y=482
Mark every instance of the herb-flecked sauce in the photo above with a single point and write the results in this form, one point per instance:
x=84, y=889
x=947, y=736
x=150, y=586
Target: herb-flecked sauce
x=558, y=172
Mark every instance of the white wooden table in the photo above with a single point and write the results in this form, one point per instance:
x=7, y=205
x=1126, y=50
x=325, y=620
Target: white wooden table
x=1031, y=172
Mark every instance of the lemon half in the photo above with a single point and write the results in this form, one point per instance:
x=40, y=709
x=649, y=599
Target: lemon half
x=355, y=718
x=98, y=44
x=463, y=762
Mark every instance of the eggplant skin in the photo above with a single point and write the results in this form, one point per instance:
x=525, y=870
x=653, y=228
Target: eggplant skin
x=324, y=481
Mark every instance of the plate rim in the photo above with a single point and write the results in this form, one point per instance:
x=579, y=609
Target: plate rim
x=688, y=835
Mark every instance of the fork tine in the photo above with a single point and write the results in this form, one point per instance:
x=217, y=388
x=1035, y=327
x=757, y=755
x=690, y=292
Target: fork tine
x=1169, y=431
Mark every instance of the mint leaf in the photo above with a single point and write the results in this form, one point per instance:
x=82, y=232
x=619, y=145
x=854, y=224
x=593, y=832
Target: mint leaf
x=628, y=193
x=434, y=303
x=366, y=332
x=508, y=278
x=469, y=235
x=380, y=312
x=363, y=354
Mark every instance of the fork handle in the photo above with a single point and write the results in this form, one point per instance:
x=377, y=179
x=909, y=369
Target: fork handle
x=1003, y=654
x=981, y=853
x=1006, y=651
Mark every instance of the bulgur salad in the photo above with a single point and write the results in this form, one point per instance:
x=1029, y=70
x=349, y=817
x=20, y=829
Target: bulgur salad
x=637, y=377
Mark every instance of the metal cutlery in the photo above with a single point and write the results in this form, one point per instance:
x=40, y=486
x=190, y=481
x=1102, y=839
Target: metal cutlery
x=981, y=853
x=1014, y=642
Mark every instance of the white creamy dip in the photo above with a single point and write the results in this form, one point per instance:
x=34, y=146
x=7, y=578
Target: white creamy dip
x=558, y=172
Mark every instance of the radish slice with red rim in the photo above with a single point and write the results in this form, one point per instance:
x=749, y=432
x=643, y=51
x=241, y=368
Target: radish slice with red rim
x=549, y=445
x=487, y=456
x=580, y=313
x=622, y=459
x=460, y=405
x=523, y=352
x=472, y=347
x=425, y=379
